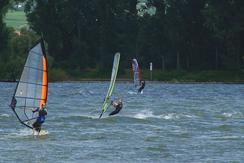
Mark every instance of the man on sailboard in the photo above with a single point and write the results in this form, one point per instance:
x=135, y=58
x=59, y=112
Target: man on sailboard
x=118, y=105
x=42, y=112
x=142, y=85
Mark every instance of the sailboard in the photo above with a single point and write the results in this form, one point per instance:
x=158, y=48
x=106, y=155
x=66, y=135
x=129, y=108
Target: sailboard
x=136, y=73
x=41, y=133
x=32, y=88
x=112, y=83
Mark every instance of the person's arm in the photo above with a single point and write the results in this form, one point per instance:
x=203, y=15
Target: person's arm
x=45, y=111
x=111, y=103
x=35, y=110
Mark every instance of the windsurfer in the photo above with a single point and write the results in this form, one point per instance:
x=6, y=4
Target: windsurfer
x=142, y=85
x=42, y=112
x=118, y=105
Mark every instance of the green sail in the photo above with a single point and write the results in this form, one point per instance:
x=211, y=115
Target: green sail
x=112, y=83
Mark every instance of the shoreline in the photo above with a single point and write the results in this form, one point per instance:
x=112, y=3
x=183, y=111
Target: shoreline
x=89, y=80
x=171, y=77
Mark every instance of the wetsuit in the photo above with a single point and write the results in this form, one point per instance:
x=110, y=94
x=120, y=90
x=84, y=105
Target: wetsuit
x=142, y=87
x=40, y=119
x=118, y=106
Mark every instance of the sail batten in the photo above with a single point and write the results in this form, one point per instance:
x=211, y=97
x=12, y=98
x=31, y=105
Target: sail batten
x=29, y=98
x=20, y=107
x=31, y=90
x=35, y=68
x=36, y=53
x=31, y=83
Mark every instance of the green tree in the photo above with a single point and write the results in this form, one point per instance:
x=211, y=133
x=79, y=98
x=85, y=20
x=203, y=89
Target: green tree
x=225, y=22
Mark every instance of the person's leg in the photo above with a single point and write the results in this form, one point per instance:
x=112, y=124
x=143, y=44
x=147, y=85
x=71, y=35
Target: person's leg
x=116, y=111
x=36, y=127
x=139, y=90
x=39, y=128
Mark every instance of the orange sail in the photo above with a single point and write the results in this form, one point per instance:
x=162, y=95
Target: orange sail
x=44, y=82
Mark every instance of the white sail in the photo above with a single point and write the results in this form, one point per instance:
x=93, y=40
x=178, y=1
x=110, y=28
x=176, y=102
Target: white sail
x=31, y=90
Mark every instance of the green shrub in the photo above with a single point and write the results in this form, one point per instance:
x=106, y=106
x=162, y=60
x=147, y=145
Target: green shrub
x=57, y=74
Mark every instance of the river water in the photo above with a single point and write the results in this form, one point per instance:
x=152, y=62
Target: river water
x=167, y=123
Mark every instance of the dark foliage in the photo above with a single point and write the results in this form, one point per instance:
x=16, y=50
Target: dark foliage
x=189, y=35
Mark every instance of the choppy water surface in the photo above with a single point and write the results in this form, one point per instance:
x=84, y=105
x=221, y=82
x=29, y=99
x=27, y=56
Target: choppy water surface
x=168, y=123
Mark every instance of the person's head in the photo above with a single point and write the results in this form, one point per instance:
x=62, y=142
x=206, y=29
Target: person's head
x=43, y=106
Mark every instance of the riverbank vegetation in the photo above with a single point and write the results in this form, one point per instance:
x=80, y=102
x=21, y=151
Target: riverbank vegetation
x=186, y=40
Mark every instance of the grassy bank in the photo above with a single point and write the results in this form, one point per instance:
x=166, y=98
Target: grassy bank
x=202, y=76
x=157, y=75
x=57, y=75
x=16, y=19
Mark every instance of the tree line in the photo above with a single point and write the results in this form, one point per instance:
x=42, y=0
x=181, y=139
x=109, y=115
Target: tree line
x=182, y=35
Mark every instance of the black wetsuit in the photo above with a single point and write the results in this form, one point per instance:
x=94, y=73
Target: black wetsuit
x=117, y=109
x=142, y=87
x=40, y=119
